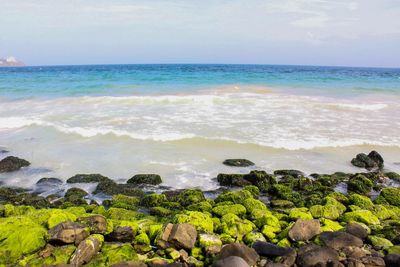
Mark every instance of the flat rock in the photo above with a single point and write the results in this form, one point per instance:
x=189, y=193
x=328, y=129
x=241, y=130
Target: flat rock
x=231, y=261
x=294, y=173
x=239, y=250
x=317, y=255
x=304, y=230
x=86, y=251
x=150, y=179
x=269, y=250
x=357, y=230
x=183, y=236
x=392, y=260
x=68, y=233
x=121, y=234
x=11, y=163
x=339, y=240
x=96, y=223
x=238, y=162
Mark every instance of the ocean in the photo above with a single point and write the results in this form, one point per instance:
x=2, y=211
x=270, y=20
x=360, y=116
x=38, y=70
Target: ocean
x=182, y=121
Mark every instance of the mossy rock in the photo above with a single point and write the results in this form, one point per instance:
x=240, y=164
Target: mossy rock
x=330, y=226
x=58, y=256
x=279, y=191
x=393, y=250
x=391, y=195
x=363, y=216
x=209, y=240
x=382, y=212
x=254, y=190
x=123, y=214
x=9, y=210
x=204, y=206
x=261, y=179
x=393, y=175
x=125, y=202
x=236, y=197
x=361, y=201
x=153, y=200
x=332, y=209
x=236, y=209
x=252, y=237
x=266, y=218
x=379, y=242
x=282, y=204
x=301, y=213
x=360, y=184
x=235, y=227
x=251, y=204
x=19, y=237
x=190, y=196
x=152, y=179
x=201, y=221
x=112, y=253
x=160, y=211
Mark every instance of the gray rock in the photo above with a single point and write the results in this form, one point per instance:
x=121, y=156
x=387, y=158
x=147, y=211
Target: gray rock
x=267, y=249
x=239, y=250
x=238, y=162
x=357, y=230
x=392, y=260
x=304, y=230
x=231, y=261
x=68, y=233
x=317, y=255
x=183, y=236
x=339, y=240
x=10, y=164
x=86, y=251
x=96, y=223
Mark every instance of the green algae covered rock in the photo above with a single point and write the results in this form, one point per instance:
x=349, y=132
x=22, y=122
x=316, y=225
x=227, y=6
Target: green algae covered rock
x=112, y=253
x=266, y=218
x=235, y=227
x=302, y=213
x=18, y=237
x=236, y=209
x=394, y=250
x=57, y=256
x=382, y=212
x=142, y=239
x=393, y=175
x=379, y=242
x=254, y=190
x=363, y=216
x=59, y=216
x=391, y=195
x=237, y=197
x=252, y=237
x=160, y=211
x=123, y=214
x=153, y=200
x=209, y=240
x=204, y=206
x=261, y=179
x=330, y=226
x=360, y=184
x=11, y=210
x=361, y=201
x=201, y=221
x=125, y=202
x=284, y=192
x=251, y=204
x=190, y=196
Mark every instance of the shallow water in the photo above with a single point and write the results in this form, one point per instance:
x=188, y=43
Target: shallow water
x=182, y=121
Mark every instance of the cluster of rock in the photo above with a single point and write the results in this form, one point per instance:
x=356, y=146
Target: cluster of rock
x=258, y=219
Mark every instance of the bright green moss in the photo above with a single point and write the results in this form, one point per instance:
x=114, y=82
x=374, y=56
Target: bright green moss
x=20, y=236
x=391, y=195
x=160, y=211
x=142, y=239
x=11, y=210
x=302, y=213
x=284, y=243
x=58, y=256
x=125, y=202
x=204, y=206
x=361, y=201
x=235, y=227
x=363, y=216
x=394, y=250
x=237, y=197
x=122, y=223
x=382, y=212
x=154, y=231
x=201, y=221
x=330, y=226
x=252, y=237
x=379, y=242
x=252, y=204
x=208, y=240
x=123, y=214
x=190, y=196
x=153, y=200
x=236, y=209
x=112, y=253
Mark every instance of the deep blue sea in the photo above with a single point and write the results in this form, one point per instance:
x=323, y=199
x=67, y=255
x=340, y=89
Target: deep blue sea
x=165, y=79
x=182, y=121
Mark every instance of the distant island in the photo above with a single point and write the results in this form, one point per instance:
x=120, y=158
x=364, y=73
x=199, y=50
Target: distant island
x=10, y=62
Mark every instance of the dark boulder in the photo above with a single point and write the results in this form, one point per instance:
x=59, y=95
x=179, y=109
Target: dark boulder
x=231, y=261
x=10, y=164
x=87, y=178
x=269, y=250
x=238, y=162
x=49, y=181
x=371, y=161
x=317, y=256
x=151, y=179
x=304, y=230
x=359, y=184
x=294, y=173
x=392, y=260
x=75, y=195
x=111, y=188
x=357, y=230
x=239, y=250
x=121, y=234
x=225, y=179
x=339, y=240
x=261, y=179
x=68, y=233
x=96, y=223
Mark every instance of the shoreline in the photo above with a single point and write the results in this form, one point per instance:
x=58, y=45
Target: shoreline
x=262, y=218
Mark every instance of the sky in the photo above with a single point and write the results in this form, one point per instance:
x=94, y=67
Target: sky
x=299, y=32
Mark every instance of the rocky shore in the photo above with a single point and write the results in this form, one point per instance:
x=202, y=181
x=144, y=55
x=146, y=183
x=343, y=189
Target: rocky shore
x=285, y=218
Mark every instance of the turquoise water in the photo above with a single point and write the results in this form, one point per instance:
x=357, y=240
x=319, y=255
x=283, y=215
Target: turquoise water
x=182, y=121
x=166, y=79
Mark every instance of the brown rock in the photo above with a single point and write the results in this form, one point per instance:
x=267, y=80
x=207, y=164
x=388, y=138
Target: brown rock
x=239, y=250
x=10, y=164
x=86, y=251
x=339, y=240
x=231, y=261
x=121, y=234
x=68, y=232
x=183, y=236
x=304, y=230
x=96, y=223
x=319, y=255
x=357, y=230
x=373, y=262
x=162, y=242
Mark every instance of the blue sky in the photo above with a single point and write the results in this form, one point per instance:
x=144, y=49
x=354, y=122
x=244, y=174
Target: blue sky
x=320, y=32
